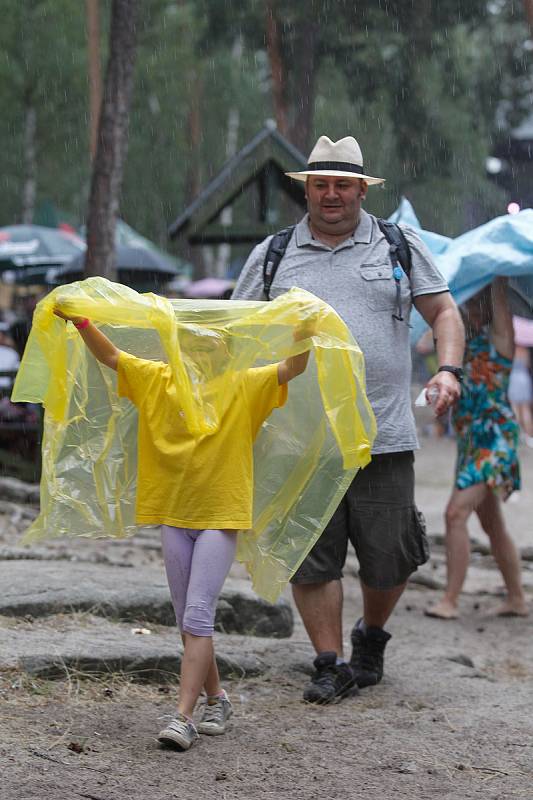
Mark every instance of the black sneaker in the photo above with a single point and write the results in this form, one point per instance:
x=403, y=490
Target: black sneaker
x=367, y=655
x=331, y=681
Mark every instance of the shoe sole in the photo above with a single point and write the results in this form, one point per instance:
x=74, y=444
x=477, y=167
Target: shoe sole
x=175, y=741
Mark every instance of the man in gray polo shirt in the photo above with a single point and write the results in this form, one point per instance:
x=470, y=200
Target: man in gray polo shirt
x=338, y=252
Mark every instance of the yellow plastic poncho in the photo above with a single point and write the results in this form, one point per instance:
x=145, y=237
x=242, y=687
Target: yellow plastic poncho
x=305, y=455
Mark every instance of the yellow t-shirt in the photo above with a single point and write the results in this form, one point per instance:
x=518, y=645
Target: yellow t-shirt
x=202, y=482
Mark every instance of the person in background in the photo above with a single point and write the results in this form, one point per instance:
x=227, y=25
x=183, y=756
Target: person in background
x=9, y=359
x=19, y=330
x=487, y=469
x=521, y=392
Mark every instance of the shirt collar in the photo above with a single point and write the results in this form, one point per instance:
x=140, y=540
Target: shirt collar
x=362, y=234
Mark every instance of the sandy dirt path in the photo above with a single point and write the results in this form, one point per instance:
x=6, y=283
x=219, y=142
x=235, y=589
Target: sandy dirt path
x=452, y=718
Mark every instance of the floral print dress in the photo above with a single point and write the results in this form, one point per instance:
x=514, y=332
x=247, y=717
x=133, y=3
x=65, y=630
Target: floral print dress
x=487, y=431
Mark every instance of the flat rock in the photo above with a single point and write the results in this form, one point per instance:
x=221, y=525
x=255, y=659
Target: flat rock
x=41, y=588
x=102, y=646
x=19, y=492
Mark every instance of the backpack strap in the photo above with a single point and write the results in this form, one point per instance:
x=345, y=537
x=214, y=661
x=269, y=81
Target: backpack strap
x=400, y=256
x=399, y=249
x=276, y=250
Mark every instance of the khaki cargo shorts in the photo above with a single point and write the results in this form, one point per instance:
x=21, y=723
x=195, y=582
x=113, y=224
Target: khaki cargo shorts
x=379, y=517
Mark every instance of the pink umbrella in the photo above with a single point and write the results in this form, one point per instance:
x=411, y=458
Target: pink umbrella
x=523, y=331
x=209, y=288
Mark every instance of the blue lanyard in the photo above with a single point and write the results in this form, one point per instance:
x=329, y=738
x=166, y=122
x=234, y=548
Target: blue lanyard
x=397, y=274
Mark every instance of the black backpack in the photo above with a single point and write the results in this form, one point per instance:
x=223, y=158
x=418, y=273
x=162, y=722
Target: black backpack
x=400, y=255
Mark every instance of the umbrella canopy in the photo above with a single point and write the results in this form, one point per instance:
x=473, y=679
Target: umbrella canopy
x=503, y=246
x=128, y=236
x=34, y=246
x=137, y=267
x=209, y=288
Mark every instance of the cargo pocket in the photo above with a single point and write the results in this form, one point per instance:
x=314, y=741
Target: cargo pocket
x=419, y=539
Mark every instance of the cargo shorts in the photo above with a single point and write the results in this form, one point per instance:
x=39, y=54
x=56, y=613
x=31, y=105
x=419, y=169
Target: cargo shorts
x=379, y=517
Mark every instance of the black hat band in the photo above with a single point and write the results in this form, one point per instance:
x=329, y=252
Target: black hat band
x=340, y=166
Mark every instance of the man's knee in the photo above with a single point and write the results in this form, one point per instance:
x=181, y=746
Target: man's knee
x=320, y=599
x=330, y=587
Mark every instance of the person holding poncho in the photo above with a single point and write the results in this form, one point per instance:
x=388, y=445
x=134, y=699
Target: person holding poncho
x=190, y=451
x=200, y=490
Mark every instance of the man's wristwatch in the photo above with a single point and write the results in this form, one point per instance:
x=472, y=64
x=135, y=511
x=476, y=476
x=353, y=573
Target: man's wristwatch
x=457, y=371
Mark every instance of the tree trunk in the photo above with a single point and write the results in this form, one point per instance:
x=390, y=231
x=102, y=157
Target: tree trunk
x=112, y=141
x=528, y=7
x=95, y=79
x=30, y=165
x=273, y=46
x=293, y=70
x=303, y=85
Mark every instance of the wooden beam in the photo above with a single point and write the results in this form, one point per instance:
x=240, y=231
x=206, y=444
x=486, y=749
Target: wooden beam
x=234, y=234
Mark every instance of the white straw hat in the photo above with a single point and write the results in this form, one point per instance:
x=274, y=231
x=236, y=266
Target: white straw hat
x=341, y=159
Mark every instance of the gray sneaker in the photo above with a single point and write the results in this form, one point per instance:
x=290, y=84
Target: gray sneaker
x=215, y=716
x=180, y=732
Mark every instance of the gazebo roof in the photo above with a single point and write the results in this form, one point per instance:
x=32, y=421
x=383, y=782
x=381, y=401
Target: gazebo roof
x=263, y=161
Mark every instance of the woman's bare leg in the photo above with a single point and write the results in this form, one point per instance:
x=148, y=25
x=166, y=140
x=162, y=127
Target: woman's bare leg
x=460, y=506
x=505, y=554
x=526, y=422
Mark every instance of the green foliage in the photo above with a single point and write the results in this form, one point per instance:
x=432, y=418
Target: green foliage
x=43, y=65
x=427, y=87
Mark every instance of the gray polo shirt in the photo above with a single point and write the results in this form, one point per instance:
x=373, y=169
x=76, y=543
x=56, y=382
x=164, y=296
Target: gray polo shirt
x=356, y=279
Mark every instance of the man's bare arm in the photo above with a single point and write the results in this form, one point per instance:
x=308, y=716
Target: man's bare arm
x=441, y=313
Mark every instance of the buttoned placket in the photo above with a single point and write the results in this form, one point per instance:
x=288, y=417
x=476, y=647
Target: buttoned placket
x=361, y=235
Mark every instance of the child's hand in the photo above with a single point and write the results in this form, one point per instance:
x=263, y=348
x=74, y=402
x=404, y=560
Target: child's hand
x=305, y=329
x=66, y=317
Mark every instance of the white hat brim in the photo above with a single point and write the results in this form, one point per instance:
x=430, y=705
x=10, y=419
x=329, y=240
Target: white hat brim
x=333, y=173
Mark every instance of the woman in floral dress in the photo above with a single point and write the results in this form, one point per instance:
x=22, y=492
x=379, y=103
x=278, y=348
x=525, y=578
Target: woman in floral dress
x=487, y=469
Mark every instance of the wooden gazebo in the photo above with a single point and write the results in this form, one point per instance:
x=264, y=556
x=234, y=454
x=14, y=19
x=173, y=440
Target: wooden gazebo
x=254, y=185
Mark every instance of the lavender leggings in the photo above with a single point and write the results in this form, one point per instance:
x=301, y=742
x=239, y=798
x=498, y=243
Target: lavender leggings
x=197, y=563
